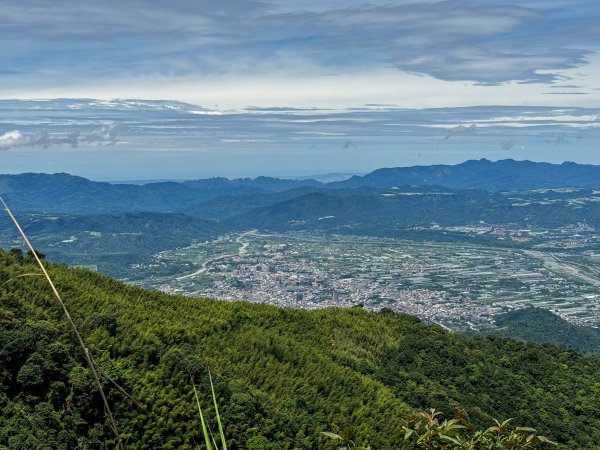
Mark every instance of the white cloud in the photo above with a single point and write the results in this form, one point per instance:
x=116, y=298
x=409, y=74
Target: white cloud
x=14, y=139
x=104, y=135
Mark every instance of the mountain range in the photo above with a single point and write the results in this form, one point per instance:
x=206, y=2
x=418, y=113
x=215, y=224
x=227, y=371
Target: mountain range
x=67, y=194
x=137, y=221
x=503, y=175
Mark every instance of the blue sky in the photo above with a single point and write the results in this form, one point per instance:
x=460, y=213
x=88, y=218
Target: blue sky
x=365, y=62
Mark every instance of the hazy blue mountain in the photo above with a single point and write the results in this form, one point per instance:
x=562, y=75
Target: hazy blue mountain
x=221, y=208
x=408, y=206
x=504, y=175
x=259, y=183
x=68, y=194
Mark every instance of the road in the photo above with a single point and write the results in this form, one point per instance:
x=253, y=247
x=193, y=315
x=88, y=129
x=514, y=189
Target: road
x=204, y=267
x=554, y=264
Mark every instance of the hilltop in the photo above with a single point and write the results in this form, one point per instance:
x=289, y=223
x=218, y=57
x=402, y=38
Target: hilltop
x=282, y=375
x=540, y=325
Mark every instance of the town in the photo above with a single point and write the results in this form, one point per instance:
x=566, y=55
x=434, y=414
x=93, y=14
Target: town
x=460, y=286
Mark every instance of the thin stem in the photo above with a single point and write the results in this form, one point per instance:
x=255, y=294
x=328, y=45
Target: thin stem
x=86, y=351
x=21, y=276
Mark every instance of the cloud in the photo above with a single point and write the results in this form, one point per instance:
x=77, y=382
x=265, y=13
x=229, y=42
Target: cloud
x=104, y=135
x=457, y=41
x=460, y=130
x=166, y=140
x=15, y=138
x=67, y=42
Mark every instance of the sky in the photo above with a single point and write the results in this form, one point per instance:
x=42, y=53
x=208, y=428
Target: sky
x=244, y=88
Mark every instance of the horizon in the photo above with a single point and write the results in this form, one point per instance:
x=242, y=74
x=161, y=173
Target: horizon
x=324, y=178
x=241, y=88
x=142, y=139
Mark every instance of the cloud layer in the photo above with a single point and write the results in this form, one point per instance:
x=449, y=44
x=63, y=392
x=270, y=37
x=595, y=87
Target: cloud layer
x=68, y=43
x=137, y=139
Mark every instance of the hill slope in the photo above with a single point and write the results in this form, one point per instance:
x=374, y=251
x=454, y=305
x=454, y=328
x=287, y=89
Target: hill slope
x=540, y=325
x=113, y=243
x=282, y=375
x=366, y=211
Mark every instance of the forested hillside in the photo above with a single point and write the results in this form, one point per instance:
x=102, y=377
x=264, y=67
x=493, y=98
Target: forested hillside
x=281, y=375
x=111, y=243
x=540, y=325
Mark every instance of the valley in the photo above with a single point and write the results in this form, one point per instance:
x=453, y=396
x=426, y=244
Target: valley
x=300, y=225
x=461, y=258
x=461, y=287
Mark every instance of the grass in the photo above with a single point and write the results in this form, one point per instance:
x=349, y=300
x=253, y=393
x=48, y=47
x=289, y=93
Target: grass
x=209, y=439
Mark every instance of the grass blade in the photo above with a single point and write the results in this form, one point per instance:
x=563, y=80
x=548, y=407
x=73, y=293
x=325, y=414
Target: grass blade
x=212, y=388
x=204, y=429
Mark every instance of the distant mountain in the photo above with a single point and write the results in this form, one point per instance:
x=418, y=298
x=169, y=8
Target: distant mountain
x=330, y=177
x=259, y=183
x=381, y=211
x=542, y=326
x=68, y=194
x=504, y=175
x=221, y=208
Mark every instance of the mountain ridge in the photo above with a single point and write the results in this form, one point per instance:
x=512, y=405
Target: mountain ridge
x=70, y=194
x=501, y=175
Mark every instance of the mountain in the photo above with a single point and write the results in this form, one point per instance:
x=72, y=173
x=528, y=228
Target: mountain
x=117, y=242
x=222, y=208
x=67, y=194
x=540, y=325
x=281, y=375
x=503, y=175
x=259, y=183
x=114, y=244
x=363, y=210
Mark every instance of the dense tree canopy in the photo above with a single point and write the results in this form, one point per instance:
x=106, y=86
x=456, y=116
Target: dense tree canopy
x=281, y=376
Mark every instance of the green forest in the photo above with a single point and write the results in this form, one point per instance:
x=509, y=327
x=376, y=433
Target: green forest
x=281, y=376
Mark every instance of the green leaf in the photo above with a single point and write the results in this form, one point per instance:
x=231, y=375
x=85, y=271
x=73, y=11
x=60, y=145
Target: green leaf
x=451, y=439
x=528, y=429
x=331, y=435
